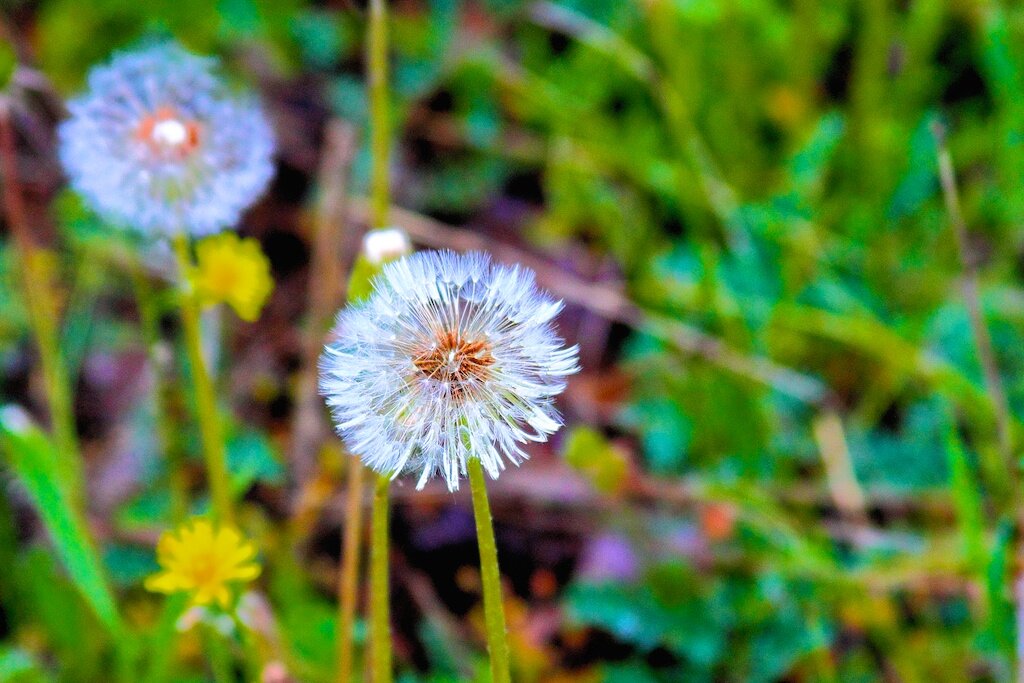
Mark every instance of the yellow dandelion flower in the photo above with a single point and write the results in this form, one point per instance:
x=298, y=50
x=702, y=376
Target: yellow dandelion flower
x=234, y=271
x=203, y=560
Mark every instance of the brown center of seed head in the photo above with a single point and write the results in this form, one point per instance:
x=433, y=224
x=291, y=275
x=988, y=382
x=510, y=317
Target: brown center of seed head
x=455, y=361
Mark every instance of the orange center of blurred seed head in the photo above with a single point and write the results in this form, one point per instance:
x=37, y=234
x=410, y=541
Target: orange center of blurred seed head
x=455, y=361
x=168, y=134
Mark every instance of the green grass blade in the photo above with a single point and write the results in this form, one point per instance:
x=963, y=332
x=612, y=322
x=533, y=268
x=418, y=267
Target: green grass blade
x=36, y=464
x=964, y=486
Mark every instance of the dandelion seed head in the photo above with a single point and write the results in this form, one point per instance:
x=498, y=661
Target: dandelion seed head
x=451, y=357
x=158, y=143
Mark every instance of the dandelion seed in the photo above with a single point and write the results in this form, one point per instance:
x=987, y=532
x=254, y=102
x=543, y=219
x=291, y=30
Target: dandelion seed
x=234, y=271
x=204, y=561
x=158, y=143
x=451, y=357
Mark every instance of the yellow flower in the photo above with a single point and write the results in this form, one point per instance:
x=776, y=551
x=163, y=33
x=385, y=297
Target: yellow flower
x=234, y=271
x=203, y=560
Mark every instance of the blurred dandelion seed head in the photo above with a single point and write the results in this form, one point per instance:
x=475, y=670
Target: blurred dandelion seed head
x=204, y=561
x=158, y=143
x=15, y=419
x=451, y=357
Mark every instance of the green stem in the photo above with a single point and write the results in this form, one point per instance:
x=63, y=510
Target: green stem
x=42, y=309
x=380, y=133
x=347, y=583
x=494, y=609
x=125, y=660
x=162, y=638
x=254, y=660
x=220, y=657
x=206, y=402
x=149, y=318
x=380, y=620
x=380, y=125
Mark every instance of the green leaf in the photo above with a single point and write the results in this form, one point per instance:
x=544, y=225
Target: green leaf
x=307, y=620
x=633, y=672
x=128, y=565
x=18, y=666
x=1000, y=629
x=920, y=181
x=966, y=498
x=46, y=600
x=364, y=271
x=809, y=165
x=251, y=459
x=14, y=320
x=8, y=62
x=666, y=431
x=360, y=282
x=36, y=464
x=319, y=36
x=587, y=451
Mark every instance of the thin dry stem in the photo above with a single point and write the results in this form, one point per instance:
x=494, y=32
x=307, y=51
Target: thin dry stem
x=971, y=291
x=839, y=472
x=326, y=285
x=42, y=308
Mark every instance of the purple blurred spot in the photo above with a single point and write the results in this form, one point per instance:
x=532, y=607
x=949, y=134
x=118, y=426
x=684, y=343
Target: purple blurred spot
x=453, y=525
x=609, y=557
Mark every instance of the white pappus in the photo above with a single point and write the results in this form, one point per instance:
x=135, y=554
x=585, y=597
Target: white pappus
x=451, y=357
x=159, y=143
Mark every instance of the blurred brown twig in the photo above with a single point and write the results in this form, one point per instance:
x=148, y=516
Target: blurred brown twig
x=326, y=293
x=608, y=301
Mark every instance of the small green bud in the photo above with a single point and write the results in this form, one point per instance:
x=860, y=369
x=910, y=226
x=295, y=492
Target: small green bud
x=379, y=247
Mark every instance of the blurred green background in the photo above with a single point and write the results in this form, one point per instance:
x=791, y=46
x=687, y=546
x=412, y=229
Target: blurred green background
x=783, y=460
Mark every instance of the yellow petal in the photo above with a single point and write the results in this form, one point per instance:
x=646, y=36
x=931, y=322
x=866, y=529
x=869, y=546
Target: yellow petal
x=163, y=582
x=246, y=572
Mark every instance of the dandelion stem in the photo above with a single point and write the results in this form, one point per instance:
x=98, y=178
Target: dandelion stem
x=206, y=403
x=42, y=309
x=380, y=620
x=149, y=318
x=380, y=128
x=380, y=132
x=347, y=582
x=220, y=658
x=254, y=660
x=494, y=610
